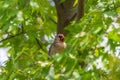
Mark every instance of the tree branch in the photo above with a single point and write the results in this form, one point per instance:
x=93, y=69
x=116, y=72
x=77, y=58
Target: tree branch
x=80, y=13
x=37, y=40
x=11, y=37
x=53, y=20
x=65, y=13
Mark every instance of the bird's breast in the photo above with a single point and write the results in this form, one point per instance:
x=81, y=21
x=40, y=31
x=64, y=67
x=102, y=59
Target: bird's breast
x=60, y=46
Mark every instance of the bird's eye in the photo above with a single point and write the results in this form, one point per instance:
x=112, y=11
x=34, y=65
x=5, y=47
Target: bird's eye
x=59, y=36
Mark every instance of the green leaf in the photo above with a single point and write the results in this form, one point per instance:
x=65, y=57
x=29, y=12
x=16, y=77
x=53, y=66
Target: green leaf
x=114, y=35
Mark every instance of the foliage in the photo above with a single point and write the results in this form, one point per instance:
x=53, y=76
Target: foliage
x=27, y=28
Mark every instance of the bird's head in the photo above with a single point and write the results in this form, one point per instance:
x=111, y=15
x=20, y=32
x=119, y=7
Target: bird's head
x=60, y=37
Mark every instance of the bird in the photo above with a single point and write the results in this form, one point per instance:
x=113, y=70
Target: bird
x=58, y=45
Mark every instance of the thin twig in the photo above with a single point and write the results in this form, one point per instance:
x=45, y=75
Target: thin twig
x=38, y=43
x=52, y=20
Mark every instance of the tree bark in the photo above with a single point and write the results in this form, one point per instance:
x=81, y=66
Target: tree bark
x=66, y=13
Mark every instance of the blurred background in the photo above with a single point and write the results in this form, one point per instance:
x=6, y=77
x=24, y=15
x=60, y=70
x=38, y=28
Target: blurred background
x=92, y=35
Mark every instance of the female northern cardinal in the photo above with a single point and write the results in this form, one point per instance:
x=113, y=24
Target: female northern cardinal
x=58, y=45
